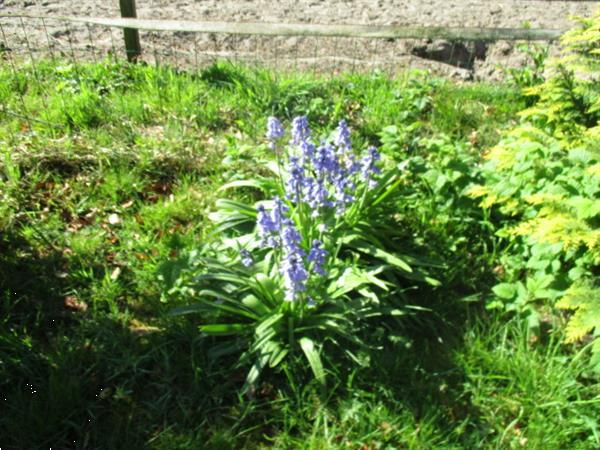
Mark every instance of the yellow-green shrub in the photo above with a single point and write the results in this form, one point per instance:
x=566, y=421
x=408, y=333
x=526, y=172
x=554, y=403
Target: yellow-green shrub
x=544, y=177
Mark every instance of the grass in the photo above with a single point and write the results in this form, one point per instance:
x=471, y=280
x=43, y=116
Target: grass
x=108, y=171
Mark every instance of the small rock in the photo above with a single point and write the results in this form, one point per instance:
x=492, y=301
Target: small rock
x=114, y=219
x=60, y=33
x=505, y=47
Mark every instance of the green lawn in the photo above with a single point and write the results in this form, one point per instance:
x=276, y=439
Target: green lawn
x=109, y=171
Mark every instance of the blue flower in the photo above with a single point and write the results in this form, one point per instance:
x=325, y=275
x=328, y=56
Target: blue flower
x=300, y=130
x=269, y=224
x=325, y=162
x=344, y=145
x=343, y=185
x=292, y=265
x=266, y=226
x=317, y=256
x=342, y=137
x=275, y=131
x=316, y=195
x=247, y=260
x=307, y=150
x=278, y=213
x=367, y=166
x=295, y=181
x=317, y=178
x=290, y=236
x=294, y=275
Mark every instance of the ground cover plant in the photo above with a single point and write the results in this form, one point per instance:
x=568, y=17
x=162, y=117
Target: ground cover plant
x=121, y=184
x=544, y=176
x=316, y=273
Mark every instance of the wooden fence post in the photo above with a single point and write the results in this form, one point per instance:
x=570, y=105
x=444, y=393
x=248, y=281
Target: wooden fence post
x=132, y=36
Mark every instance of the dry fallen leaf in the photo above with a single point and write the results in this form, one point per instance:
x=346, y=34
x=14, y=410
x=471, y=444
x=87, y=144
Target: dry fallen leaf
x=73, y=303
x=115, y=273
x=140, y=328
x=473, y=138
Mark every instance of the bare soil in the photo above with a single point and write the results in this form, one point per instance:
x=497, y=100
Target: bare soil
x=34, y=37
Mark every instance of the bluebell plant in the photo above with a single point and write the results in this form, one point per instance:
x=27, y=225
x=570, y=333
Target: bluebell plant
x=305, y=269
x=320, y=182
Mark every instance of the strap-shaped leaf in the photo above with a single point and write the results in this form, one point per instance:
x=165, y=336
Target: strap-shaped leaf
x=388, y=190
x=222, y=302
x=255, y=304
x=255, y=371
x=257, y=184
x=221, y=276
x=229, y=223
x=225, y=329
x=314, y=359
x=276, y=353
x=352, y=279
x=378, y=253
x=188, y=309
x=266, y=288
x=268, y=323
x=227, y=348
x=207, y=307
x=232, y=205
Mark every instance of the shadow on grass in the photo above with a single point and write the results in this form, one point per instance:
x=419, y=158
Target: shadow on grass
x=99, y=384
x=77, y=378
x=91, y=379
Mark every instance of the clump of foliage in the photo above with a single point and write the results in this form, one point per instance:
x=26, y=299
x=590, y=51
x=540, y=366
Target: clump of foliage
x=317, y=268
x=532, y=74
x=435, y=207
x=544, y=176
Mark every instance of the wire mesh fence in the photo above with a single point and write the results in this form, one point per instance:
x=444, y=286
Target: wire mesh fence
x=466, y=54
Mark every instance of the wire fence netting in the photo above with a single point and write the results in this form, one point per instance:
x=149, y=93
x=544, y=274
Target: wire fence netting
x=27, y=42
x=33, y=38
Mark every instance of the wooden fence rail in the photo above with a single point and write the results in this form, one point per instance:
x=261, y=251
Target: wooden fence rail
x=350, y=31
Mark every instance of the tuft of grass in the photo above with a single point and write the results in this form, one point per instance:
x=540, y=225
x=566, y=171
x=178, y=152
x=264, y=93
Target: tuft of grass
x=528, y=393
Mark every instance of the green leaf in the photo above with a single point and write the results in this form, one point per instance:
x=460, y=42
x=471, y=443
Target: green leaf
x=255, y=371
x=256, y=305
x=506, y=291
x=314, y=359
x=267, y=288
x=233, y=206
x=378, y=253
x=222, y=276
x=228, y=223
x=268, y=323
x=584, y=298
x=262, y=185
x=225, y=329
x=227, y=348
x=537, y=285
x=353, y=278
x=276, y=353
x=213, y=306
x=189, y=309
x=389, y=189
